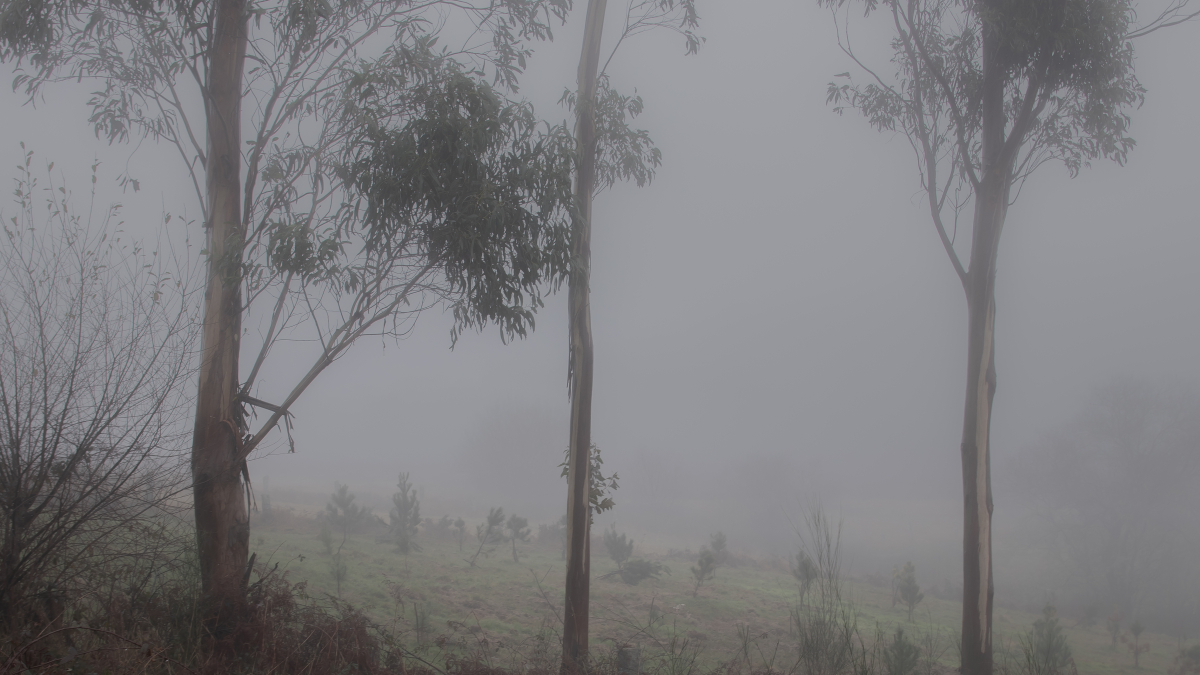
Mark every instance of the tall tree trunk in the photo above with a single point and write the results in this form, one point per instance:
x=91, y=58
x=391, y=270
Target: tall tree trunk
x=991, y=208
x=575, y=606
x=978, y=590
x=222, y=520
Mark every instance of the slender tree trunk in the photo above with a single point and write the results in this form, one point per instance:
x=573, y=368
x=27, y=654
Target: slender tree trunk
x=976, y=465
x=222, y=520
x=991, y=208
x=575, y=607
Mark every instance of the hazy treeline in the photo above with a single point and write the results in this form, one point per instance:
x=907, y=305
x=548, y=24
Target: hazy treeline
x=1103, y=518
x=1111, y=506
x=378, y=188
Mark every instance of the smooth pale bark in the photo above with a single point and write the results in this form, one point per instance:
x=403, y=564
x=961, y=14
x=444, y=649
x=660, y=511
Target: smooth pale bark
x=978, y=589
x=575, y=606
x=222, y=519
x=991, y=207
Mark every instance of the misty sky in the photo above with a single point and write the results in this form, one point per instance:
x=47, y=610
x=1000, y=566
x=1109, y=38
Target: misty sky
x=775, y=321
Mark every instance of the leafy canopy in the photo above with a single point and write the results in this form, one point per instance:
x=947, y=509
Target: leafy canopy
x=1066, y=82
x=383, y=174
x=474, y=184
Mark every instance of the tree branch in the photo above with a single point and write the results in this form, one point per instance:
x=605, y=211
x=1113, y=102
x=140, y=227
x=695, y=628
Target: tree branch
x=338, y=342
x=960, y=124
x=1173, y=15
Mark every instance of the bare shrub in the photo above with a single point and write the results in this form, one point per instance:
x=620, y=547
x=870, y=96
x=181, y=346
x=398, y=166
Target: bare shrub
x=828, y=639
x=95, y=342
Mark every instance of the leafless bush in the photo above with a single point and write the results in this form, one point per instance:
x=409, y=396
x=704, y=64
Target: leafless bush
x=828, y=638
x=95, y=345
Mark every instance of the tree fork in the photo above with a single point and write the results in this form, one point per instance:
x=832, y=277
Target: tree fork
x=575, y=606
x=991, y=208
x=222, y=519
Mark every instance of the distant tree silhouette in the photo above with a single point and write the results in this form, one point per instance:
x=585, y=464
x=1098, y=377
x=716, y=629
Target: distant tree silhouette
x=704, y=570
x=489, y=532
x=910, y=592
x=406, y=516
x=518, y=530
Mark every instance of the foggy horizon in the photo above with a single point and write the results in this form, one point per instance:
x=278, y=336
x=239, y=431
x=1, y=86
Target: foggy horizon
x=776, y=323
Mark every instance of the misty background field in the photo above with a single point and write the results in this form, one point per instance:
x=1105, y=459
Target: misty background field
x=777, y=332
x=492, y=604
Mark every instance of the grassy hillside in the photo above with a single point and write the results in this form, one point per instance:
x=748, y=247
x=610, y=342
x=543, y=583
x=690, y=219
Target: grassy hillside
x=434, y=597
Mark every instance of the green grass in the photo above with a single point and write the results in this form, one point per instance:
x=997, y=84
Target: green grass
x=500, y=601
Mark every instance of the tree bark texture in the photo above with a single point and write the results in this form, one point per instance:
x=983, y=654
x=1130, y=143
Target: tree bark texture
x=991, y=208
x=222, y=518
x=575, y=606
x=978, y=589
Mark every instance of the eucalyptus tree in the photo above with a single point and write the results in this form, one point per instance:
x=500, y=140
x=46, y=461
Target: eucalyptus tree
x=380, y=175
x=607, y=151
x=987, y=91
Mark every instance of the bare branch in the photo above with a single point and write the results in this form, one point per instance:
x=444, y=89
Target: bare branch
x=1175, y=13
x=338, y=342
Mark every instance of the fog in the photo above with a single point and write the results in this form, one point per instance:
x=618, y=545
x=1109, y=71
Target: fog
x=776, y=324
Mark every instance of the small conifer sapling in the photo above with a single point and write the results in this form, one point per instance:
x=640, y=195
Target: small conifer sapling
x=619, y=547
x=704, y=570
x=718, y=545
x=406, y=516
x=489, y=532
x=805, y=572
x=910, y=592
x=901, y=656
x=1045, y=647
x=518, y=530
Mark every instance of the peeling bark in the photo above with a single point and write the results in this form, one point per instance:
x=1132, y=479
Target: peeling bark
x=575, y=607
x=991, y=209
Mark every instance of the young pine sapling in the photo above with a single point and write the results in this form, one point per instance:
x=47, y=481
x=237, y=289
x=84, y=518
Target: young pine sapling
x=901, y=657
x=910, y=592
x=489, y=532
x=342, y=514
x=443, y=527
x=639, y=569
x=718, y=545
x=631, y=570
x=704, y=570
x=518, y=530
x=1045, y=647
x=406, y=516
x=805, y=571
x=619, y=547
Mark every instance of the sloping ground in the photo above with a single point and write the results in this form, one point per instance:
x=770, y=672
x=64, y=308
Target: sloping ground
x=510, y=609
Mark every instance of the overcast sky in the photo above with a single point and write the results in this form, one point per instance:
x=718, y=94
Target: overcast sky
x=775, y=321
